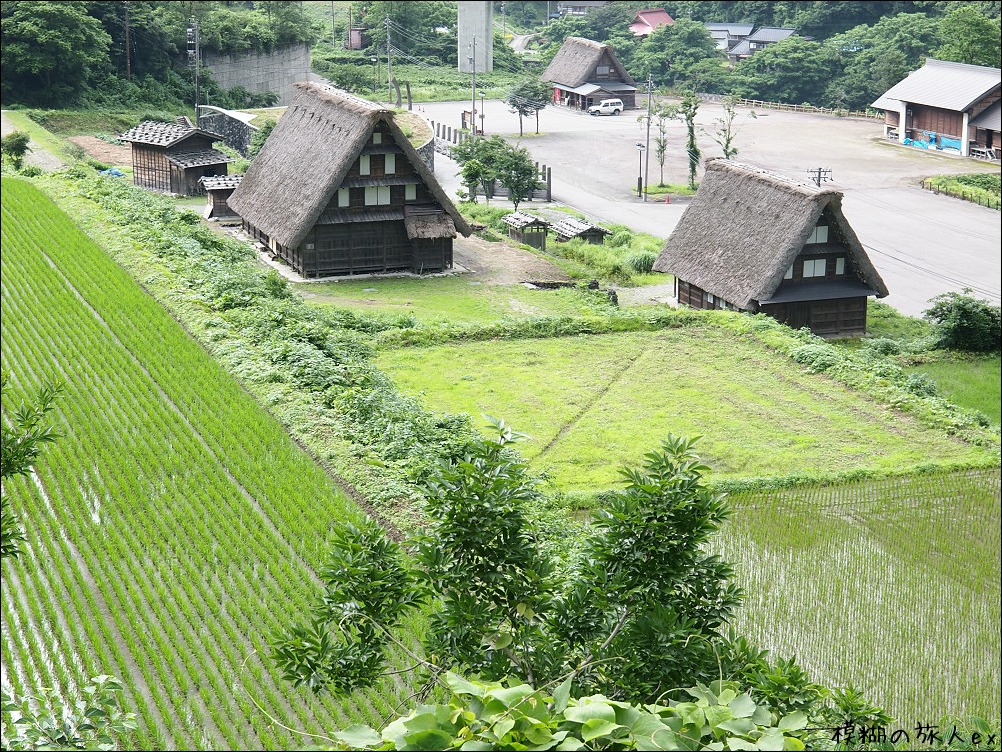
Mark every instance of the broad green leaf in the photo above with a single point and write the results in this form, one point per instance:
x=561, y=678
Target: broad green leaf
x=584, y=713
x=359, y=736
x=772, y=741
x=461, y=686
x=742, y=706
x=793, y=722
x=571, y=743
x=475, y=745
x=739, y=726
x=561, y=695
x=429, y=739
x=793, y=743
x=502, y=727
x=501, y=641
x=725, y=697
x=717, y=714
x=422, y=721
x=762, y=716
x=509, y=696
x=734, y=743
x=596, y=727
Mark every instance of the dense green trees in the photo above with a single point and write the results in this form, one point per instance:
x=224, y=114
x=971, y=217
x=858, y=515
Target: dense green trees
x=484, y=161
x=671, y=54
x=527, y=98
x=794, y=70
x=969, y=36
x=965, y=323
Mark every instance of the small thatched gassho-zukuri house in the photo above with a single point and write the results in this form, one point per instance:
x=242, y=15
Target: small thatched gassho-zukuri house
x=755, y=241
x=584, y=73
x=174, y=157
x=338, y=189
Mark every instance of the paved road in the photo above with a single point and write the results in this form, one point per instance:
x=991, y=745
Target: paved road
x=921, y=243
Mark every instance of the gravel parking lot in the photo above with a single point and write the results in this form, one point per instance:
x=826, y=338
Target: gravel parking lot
x=923, y=244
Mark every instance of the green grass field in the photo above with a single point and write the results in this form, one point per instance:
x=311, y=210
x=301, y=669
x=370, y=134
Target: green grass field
x=890, y=584
x=172, y=528
x=593, y=403
x=454, y=299
x=973, y=383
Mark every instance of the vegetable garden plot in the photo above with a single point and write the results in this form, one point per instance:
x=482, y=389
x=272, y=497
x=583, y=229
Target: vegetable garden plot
x=173, y=527
x=890, y=584
x=594, y=403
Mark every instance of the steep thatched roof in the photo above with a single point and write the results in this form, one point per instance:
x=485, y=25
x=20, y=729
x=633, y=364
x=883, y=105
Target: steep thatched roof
x=306, y=158
x=745, y=227
x=575, y=63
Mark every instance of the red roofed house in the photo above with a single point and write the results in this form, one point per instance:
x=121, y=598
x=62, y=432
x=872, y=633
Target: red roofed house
x=647, y=21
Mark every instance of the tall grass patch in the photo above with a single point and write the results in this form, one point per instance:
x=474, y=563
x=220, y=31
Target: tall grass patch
x=973, y=383
x=594, y=403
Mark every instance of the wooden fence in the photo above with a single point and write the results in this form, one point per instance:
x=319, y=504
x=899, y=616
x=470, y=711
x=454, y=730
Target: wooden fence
x=762, y=105
x=975, y=197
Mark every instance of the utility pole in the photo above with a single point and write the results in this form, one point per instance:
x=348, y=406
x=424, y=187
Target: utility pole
x=473, y=88
x=504, y=24
x=647, y=149
x=389, y=62
x=820, y=175
x=128, y=45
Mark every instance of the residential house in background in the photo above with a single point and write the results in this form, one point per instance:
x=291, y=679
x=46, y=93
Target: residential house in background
x=338, y=189
x=646, y=21
x=726, y=35
x=946, y=105
x=584, y=73
x=173, y=157
x=756, y=42
x=579, y=7
x=755, y=241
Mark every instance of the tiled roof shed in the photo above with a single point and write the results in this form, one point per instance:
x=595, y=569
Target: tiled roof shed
x=570, y=228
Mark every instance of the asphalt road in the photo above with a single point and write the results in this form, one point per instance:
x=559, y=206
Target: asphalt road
x=921, y=243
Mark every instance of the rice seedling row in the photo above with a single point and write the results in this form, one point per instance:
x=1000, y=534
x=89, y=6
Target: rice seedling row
x=194, y=521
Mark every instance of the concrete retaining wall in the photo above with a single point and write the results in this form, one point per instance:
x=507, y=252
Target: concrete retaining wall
x=259, y=72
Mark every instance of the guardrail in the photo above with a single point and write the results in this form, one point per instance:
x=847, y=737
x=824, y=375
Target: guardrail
x=763, y=105
x=972, y=196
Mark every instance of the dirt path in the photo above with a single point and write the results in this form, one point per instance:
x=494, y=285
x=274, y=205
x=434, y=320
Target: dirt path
x=37, y=155
x=116, y=155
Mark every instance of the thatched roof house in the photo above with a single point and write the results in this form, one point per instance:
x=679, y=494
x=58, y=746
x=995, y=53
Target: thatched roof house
x=173, y=157
x=755, y=241
x=339, y=189
x=584, y=73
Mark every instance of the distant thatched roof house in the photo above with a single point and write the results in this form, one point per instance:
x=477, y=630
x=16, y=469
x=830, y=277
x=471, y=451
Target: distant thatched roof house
x=338, y=189
x=945, y=105
x=173, y=157
x=755, y=241
x=584, y=73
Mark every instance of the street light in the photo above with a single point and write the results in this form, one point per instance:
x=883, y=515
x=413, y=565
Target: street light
x=375, y=73
x=640, y=169
x=482, y=95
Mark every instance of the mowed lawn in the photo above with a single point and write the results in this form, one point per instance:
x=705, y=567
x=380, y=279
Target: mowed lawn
x=592, y=404
x=454, y=300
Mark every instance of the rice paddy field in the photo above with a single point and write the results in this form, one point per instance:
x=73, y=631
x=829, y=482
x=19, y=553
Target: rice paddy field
x=173, y=527
x=592, y=404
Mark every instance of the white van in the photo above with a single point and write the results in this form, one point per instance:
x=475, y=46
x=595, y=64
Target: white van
x=607, y=107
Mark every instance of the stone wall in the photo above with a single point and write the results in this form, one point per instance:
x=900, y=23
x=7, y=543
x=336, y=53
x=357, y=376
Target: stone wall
x=260, y=72
x=235, y=132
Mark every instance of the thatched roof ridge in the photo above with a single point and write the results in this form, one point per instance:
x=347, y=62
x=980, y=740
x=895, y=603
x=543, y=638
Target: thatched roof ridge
x=575, y=62
x=307, y=157
x=745, y=227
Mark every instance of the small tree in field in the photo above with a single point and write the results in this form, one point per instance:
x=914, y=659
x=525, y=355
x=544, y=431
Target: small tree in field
x=686, y=112
x=726, y=130
x=527, y=98
x=14, y=146
x=517, y=173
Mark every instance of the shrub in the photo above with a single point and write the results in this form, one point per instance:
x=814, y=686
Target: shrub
x=921, y=384
x=817, y=357
x=965, y=323
x=619, y=238
x=642, y=261
x=883, y=346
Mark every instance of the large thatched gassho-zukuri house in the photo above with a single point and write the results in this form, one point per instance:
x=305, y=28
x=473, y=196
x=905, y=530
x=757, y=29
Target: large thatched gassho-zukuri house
x=754, y=241
x=584, y=73
x=338, y=189
x=174, y=157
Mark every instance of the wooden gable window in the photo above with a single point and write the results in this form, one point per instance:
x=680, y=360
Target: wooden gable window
x=378, y=195
x=389, y=164
x=819, y=235
x=364, y=167
x=840, y=266
x=410, y=192
x=814, y=267
x=344, y=197
x=377, y=137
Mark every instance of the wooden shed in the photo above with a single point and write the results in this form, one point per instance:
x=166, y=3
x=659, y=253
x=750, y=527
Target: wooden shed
x=570, y=228
x=584, y=73
x=525, y=228
x=173, y=157
x=755, y=241
x=946, y=105
x=218, y=191
x=338, y=189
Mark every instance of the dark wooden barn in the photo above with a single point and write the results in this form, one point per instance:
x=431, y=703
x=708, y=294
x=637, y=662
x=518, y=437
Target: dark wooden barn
x=946, y=105
x=525, y=228
x=755, y=241
x=218, y=191
x=173, y=157
x=584, y=73
x=338, y=189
